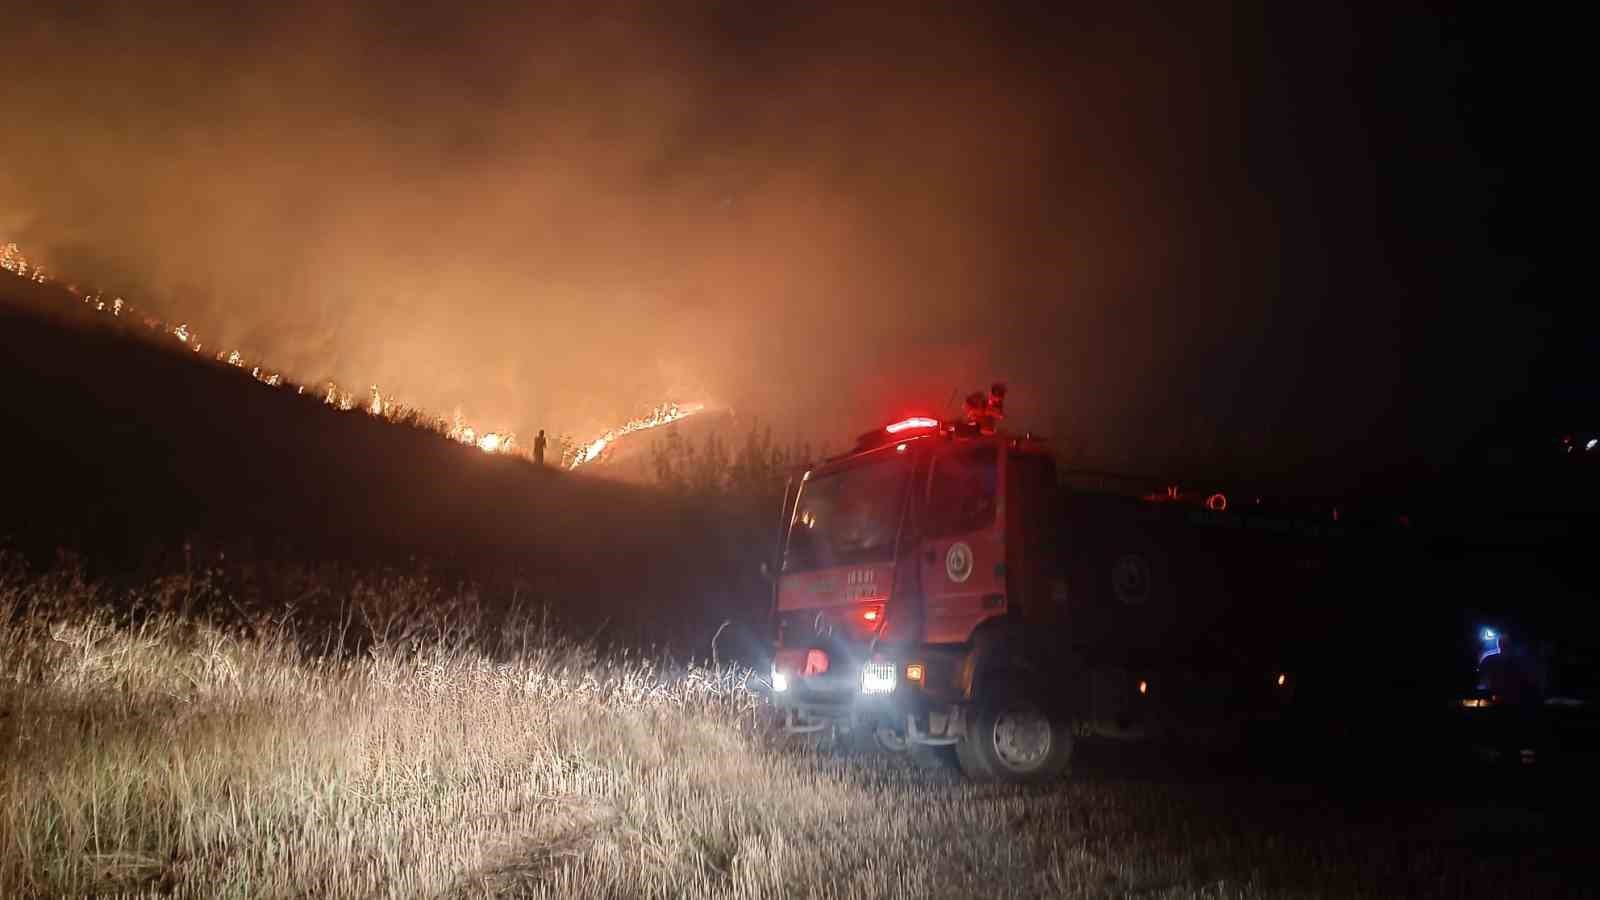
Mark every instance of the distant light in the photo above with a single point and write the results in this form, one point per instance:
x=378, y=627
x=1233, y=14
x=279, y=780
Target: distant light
x=914, y=672
x=1144, y=687
x=1490, y=635
x=780, y=681
x=1283, y=679
x=909, y=424
x=1591, y=444
x=1217, y=502
x=871, y=615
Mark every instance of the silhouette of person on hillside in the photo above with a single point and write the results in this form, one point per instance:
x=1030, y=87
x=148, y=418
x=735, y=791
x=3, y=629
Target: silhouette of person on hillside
x=538, y=448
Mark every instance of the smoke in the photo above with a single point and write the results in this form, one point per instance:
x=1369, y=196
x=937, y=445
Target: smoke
x=558, y=218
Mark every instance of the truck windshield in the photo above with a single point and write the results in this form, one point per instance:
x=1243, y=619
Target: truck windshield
x=850, y=516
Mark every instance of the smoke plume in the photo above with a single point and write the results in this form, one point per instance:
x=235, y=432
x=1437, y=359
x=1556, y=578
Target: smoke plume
x=561, y=217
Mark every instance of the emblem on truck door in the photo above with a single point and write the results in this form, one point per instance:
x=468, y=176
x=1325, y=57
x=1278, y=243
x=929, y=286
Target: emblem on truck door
x=958, y=562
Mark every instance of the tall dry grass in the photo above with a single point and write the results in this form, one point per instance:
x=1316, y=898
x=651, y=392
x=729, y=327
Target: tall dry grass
x=412, y=750
x=146, y=750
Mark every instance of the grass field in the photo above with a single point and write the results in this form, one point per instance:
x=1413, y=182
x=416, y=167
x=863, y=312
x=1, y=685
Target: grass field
x=412, y=750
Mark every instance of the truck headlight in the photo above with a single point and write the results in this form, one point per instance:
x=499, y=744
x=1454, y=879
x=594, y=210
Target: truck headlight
x=780, y=681
x=878, y=678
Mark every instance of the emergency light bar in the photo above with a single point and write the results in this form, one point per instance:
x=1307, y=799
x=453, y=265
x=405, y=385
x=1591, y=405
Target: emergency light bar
x=915, y=422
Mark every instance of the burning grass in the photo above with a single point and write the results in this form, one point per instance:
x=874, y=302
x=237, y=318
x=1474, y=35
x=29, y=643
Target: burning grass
x=412, y=749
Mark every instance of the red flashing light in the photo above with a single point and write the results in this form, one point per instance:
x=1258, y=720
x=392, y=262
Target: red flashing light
x=872, y=616
x=913, y=423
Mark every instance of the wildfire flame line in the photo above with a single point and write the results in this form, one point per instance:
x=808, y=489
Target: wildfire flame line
x=456, y=429
x=661, y=415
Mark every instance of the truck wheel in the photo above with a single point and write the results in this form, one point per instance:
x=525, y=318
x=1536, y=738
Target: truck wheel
x=1013, y=737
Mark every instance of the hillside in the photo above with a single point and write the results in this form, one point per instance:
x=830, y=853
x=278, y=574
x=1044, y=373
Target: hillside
x=122, y=449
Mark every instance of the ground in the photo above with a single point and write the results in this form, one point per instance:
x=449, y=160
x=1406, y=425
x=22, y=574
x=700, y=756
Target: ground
x=162, y=752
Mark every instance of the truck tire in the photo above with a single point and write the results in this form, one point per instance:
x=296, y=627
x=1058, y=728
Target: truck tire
x=1014, y=736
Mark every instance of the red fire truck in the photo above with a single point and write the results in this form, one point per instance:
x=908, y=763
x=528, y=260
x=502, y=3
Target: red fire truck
x=943, y=586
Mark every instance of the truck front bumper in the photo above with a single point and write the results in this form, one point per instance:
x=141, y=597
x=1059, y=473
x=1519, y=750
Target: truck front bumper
x=872, y=693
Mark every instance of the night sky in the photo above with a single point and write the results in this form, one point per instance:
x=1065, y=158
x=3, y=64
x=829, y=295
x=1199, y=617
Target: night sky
x=1335, y=239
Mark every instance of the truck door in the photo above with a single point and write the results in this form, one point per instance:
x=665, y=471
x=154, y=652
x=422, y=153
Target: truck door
x=1031, y=570
x=963, y=550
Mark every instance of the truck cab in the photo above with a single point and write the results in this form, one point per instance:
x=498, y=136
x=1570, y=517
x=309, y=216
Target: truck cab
x=905, y=564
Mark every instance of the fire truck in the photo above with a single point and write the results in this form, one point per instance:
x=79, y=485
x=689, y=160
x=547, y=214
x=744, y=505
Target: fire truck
x=943, y=589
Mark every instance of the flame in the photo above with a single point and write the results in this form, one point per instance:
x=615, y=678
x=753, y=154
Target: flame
x=14, y=261
x=456, y=429
x=661, y=415
x=460, y=431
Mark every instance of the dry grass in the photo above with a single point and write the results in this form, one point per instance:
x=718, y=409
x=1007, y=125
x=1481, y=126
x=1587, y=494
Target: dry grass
x=156, y=753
